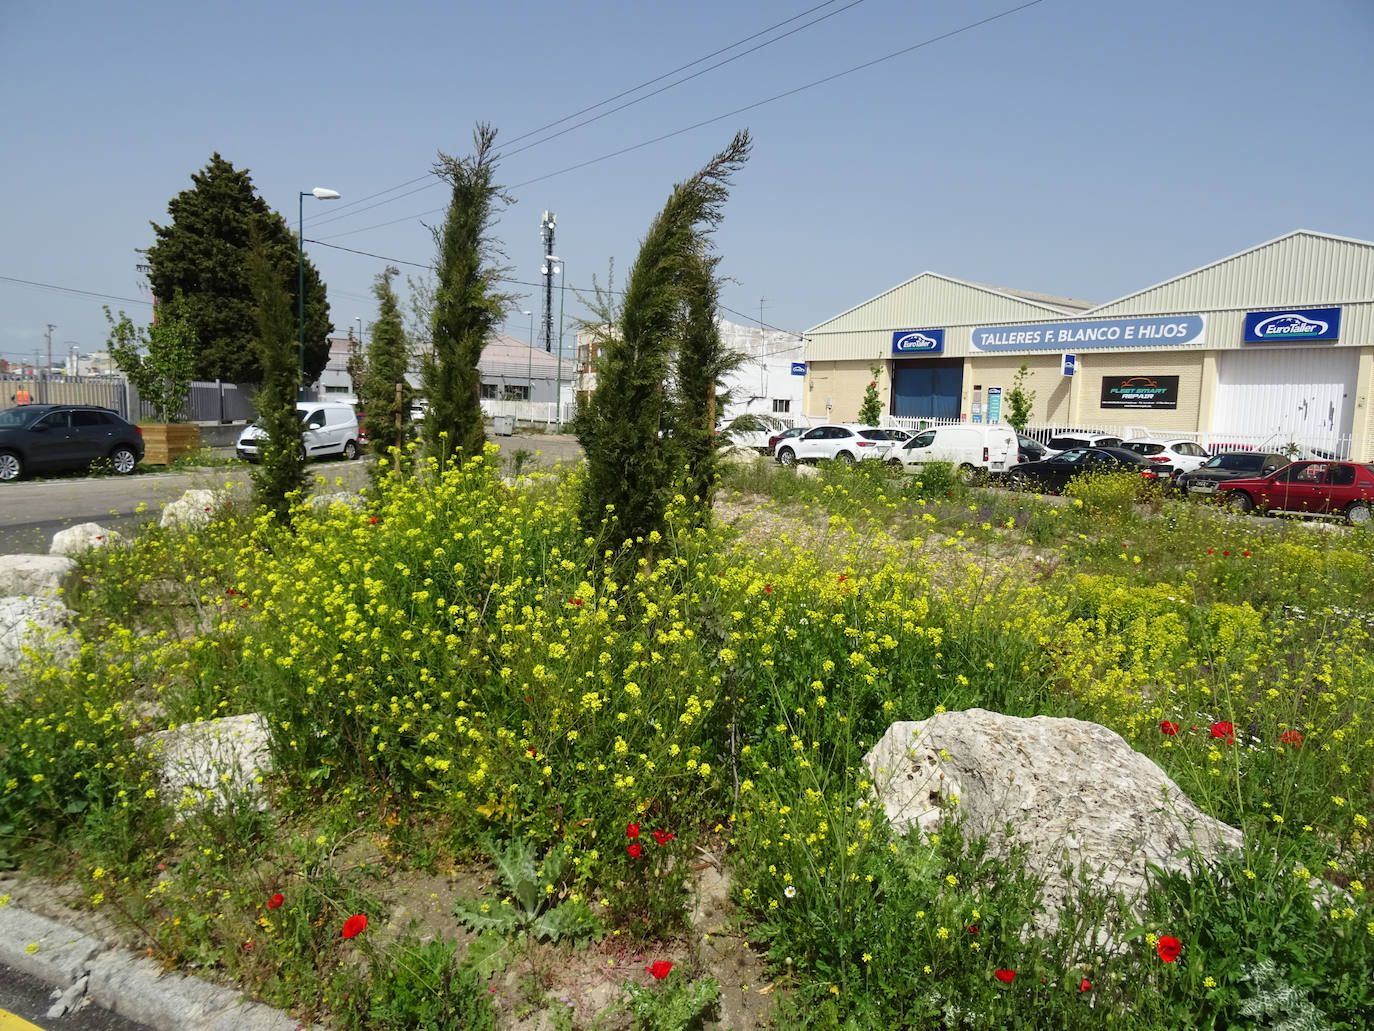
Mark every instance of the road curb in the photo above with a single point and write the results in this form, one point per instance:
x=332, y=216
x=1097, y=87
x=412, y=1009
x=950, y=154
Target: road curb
x=127, y=985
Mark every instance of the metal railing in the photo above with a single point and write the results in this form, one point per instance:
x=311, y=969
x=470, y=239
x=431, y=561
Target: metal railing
x=207, y=401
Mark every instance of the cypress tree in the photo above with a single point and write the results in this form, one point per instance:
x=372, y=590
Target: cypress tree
x=387, y=358
x=281, y=466
x=632, y=429
x=466, y=309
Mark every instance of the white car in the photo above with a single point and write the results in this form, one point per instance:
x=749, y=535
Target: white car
x=847, y=444
x=1062, y=442
x=327, y=428
x=1184, y=455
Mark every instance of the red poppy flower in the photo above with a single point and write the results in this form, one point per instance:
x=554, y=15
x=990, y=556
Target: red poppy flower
x=1005, y=976
x=1084, y=985
x=632, y=830
x=1169, y=727
x=843, y=578
x=1246, y=554
x=663, y=837
x=1225, y=731
x=354, y=925
x=1211, y=551
x=767, y=588
x=1226, y=553
x=659, y=968
x=577, y=602
x=373, y=520
x=1168, y=948
x=634, y=849
x=1291, y=737
x=275, y=901
x=249, y=943
x=972, y=930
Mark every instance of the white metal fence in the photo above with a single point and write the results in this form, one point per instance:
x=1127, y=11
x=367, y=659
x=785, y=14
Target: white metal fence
x=208, y=401
x=531, y=413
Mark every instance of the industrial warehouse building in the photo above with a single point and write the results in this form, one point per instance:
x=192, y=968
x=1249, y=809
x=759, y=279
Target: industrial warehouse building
x=1272, y=346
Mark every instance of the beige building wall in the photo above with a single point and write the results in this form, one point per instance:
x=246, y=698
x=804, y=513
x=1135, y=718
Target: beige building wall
x=1362, y=426
x=842, y=384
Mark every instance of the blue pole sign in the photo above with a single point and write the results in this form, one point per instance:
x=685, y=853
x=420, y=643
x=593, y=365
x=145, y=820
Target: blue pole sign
x=1154, y=331
x=994, y=404
x=1276, y=327
x=918, y=341
x=799, y=368
x=1068, y=364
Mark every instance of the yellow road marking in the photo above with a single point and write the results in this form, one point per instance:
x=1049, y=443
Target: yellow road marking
x=9, y=1022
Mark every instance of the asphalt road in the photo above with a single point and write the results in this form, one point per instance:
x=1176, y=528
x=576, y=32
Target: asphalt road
x=32, y=511
x=24, y=1000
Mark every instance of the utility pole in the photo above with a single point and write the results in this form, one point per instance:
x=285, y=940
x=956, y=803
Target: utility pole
x=47, y=371
x=546, y=226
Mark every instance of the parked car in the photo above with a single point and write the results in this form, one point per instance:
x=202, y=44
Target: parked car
x=1228, y=465
x=847, y=444
x=327, y=428
x=892, y=433
x=1306, y=488
x=970, y=449
x=40, y=438
x=1028, y=449
x=1184, y=455
x=1065, y=441
x=781, y=435
x=1054, y=472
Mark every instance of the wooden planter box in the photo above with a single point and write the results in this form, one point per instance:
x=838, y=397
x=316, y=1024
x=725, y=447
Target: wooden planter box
x=164, y=443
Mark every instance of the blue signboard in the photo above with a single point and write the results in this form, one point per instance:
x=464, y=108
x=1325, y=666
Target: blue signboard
x=918, y=341
x=1274, y=327
x=994, y=404
x=1068, y=364
x=1161, y=331
x=799, y=368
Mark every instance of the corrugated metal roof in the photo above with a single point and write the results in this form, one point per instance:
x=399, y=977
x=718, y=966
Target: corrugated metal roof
x=506, y=355
x=1067, y=304
x=932, y=299
x=1298, y=268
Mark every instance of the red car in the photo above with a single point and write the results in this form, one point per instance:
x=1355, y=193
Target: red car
x=794, y=431
x=1307, y=488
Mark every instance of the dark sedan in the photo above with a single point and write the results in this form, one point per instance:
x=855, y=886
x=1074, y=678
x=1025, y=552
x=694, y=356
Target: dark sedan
x=1228, y=465
x=38, y=438
x=1050, y=475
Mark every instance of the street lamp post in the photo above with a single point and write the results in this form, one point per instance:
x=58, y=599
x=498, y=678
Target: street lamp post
x=319, y=193
x=549, y=259
x=529, y=365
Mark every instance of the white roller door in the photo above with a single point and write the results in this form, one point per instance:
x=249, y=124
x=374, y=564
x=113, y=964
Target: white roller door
x=1300, y=394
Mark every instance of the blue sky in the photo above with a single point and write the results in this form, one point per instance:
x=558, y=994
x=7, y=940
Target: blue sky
x=1078, y=147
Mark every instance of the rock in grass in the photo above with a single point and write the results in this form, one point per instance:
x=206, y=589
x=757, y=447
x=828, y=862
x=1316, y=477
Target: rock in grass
x=33, y=622
x=193, y=509
x=1075, y=794
x=216, y=764
x=81, y=537
x=48, y=575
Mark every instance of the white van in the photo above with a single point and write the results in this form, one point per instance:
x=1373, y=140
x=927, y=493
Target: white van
x=327, y=428
x=969, y=448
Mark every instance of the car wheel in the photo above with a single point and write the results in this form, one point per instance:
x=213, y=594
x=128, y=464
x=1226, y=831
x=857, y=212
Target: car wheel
x=967, y=474
x=1239, y=501
x=1018, y=480
x=845, y=458
x=123, y=460
x=350, y=450
x=11, y=468
x=787, y=456
x=1358, y=513
x=895, y=463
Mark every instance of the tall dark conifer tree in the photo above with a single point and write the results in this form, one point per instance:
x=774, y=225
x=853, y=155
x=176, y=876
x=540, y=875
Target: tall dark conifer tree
x=281, y=467
x=203, y=253
x=649, y=422
x=388, y=354
x=466, y=307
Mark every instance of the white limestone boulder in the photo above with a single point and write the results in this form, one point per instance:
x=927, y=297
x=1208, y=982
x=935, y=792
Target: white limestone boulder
x=194, y=509
x=1075, y=793
x=33, y=622
x=47, y=575
x=81, y=537
x=324, y=502
x=215, y=763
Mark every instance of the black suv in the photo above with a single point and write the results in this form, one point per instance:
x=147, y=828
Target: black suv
x=37, y=438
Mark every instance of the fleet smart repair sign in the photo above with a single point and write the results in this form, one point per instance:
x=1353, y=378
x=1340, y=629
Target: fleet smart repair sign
x=1140, y=392
x=1053, y=336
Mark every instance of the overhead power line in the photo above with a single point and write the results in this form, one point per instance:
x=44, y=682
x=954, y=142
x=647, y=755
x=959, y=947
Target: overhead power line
x=729, y=114
x=338, y=213
x=73, y=290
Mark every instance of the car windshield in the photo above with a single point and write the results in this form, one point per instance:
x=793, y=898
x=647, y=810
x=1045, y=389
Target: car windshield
x=1143, y=447
x=1236, y=463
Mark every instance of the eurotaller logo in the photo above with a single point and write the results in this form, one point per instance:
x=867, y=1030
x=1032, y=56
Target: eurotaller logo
x=918, y=341
x=1301, y=324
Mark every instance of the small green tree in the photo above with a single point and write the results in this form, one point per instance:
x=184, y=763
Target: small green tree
x=1020, y=401
x=159, y=360
x=386, y=419
x=281, y=468
x=466, y=307
x=871, y=411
